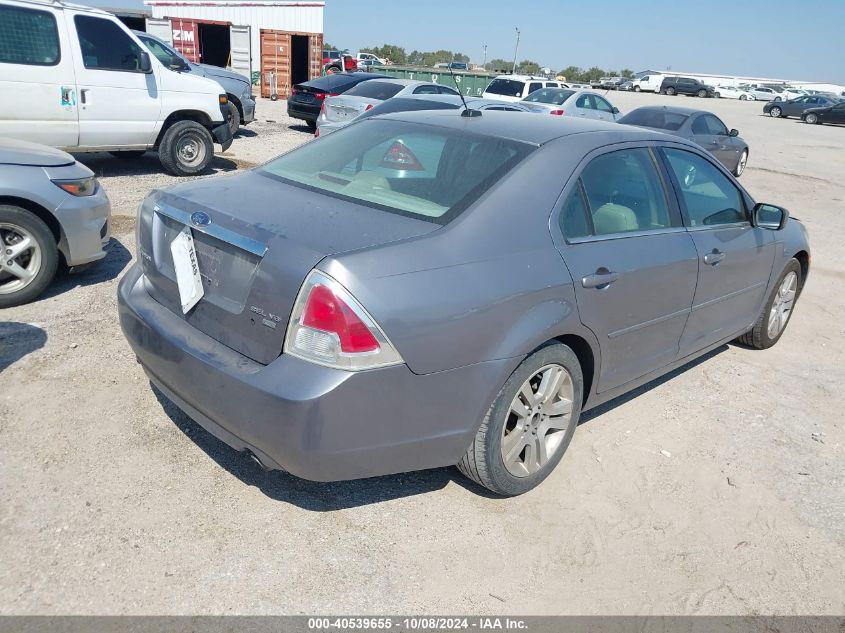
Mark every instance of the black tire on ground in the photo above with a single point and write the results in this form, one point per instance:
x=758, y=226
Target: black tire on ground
x=17, y=216
x=702, y=93
x=312, y=125
x=758, y=336
x=483, y=462
x=233, y=117
x=128, y=155
x=811, y=118
x=637, y=88
x=176, y=138
x=670, y=91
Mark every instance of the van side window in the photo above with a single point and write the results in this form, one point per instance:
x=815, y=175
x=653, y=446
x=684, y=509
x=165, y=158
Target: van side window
x=28, y=37
x=105, y=46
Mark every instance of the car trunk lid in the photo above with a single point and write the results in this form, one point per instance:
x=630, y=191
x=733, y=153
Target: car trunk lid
x=262, y=239
x=341, y=109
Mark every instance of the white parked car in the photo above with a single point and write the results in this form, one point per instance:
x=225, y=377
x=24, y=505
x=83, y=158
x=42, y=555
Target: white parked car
x=84, y=83
x=763, y=93
x=733, y=92
x=647, y=83
x=340, y=111
x=516, y=87
x=378, y=61
x=566, y=102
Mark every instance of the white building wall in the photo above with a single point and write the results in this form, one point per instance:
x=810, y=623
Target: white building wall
x=301, y=17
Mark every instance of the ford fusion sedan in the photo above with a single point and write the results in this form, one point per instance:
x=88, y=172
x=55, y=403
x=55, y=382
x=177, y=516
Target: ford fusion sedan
x=306, y=99
x=387, y=299
x=565, y=102
x=51, y=208
x=830, y=114
x=796, y=107
x=702, y=127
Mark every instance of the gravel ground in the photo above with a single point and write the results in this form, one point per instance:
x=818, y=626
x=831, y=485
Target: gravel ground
x=717, y=490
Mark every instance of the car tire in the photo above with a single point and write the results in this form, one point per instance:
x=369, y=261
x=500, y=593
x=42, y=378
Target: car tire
x=741, y=163
x=701, y=94
x=233, y=117
x=717, y=95
x=637, y=89
x=312, y=125
x=186, y=149
x=670, y=91
x=775, y=112
x=772, y=322
x=777, y=99
x=811, y=118
x=39, y=261
x=129, y=155
x=511, y=467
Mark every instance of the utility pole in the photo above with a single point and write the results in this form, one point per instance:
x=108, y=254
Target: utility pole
x=516, y=52
x=485, y=56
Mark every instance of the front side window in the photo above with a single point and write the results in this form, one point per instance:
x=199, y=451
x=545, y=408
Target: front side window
x=602, y=105
x=28, y=37
x=421, y=171
x=709, y=196
x=715, y=126
x=163, y=54
x=624, y=193
x=105, y=46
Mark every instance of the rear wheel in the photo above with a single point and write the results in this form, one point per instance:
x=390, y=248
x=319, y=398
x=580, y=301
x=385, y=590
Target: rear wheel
x=775, y=112
x=312, y=125
x=771, y=323
x=777, y=99
x=29, y=256
x=530, y=424
x=186, y=148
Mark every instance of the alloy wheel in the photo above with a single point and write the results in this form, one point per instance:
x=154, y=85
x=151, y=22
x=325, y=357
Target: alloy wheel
x=537, y=420
x=782, y=305
x=21, y=258
x=740, y=166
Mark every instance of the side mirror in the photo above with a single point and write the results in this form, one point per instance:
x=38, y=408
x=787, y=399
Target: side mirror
x=734, y=133
x=144, y=63
x=768, y=216
x=615, y=110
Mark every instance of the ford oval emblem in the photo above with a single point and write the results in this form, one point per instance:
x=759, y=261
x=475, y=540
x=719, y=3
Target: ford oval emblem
x=200, y=219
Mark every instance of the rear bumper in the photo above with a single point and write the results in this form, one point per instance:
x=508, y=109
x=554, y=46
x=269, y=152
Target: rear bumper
x=223, y=135
x=303, y=111
x=314, y=422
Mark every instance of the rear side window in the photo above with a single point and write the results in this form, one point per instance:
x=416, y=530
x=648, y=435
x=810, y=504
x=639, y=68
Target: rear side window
x=373, y=89
x=709, y=197
x=534, y=86
x=573, y=216
x=624, y=193
x=421, y=171
x=105, y=46
x=505, y=87
x=28, y=37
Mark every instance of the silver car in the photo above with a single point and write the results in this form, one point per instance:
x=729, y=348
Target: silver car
x=340, y=111
x=567, y=102
x=50, y=206
x=430, y=288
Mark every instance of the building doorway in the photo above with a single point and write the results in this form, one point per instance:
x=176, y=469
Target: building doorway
x=214, y=44
x=299, y=67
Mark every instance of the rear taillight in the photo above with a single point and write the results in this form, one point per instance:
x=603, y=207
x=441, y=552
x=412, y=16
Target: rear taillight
x=369, y=107
x=399, y=156
x=329, y=327
x=320, y=96
x=557, y=112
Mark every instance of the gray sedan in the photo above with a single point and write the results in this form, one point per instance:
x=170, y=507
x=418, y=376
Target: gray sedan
x=699, y=126
x=49, y=205
x=419, y=290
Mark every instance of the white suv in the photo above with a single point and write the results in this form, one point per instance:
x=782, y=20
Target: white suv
x=517, y=87
x=77, y=79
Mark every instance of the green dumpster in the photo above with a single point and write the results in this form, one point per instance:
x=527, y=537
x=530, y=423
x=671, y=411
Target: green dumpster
x=471, y=84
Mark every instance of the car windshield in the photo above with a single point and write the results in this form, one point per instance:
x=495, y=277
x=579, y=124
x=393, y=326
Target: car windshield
x=656, y=118
x=425, y=172
x=505, y=87
x=554, y=96
x=380, y=90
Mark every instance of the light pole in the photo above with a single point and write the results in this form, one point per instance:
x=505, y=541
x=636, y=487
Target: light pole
x=485, y=56
x=516, y=51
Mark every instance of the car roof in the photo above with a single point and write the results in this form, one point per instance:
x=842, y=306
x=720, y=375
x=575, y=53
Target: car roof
x=672, y=110
x=523, y=78
x=534, y=130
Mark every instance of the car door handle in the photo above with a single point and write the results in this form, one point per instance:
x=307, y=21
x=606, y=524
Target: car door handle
x=712, y=259
x=83, y=96
x=601, y=279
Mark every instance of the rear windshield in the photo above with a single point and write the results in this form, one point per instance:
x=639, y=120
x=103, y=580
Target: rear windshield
x=554, y=96
x=421, y=171
x=380, y=90
x=505, y=87
x=660, y=119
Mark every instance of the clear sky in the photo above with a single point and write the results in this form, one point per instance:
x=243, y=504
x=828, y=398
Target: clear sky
x=773, y=38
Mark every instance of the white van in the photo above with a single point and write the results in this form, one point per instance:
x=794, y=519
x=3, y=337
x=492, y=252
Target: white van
x=647, y=83
x=514, y=88
x=76, y=78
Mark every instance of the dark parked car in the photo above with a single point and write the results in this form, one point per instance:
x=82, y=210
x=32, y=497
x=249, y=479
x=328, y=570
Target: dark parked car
x=686, y=86
x=796, y=107
x=830, y=114
x=389, y=298
x=307, y=98
x=705, y=128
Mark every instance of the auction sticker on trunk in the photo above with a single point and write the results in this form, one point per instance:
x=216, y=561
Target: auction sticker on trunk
x=187, y=269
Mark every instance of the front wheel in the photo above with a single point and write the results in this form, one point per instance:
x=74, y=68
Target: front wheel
x=771, y=323
x=233, y=117
x=29, y=256
x=740, y=165
x=186, y=148
x=812, y=118
x=637, y=88
x=530, y=424
x=775, y=112
x=670, y=91
x=702, y=94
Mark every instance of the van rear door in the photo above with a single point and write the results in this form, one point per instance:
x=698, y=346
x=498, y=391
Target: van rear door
x=37, y=78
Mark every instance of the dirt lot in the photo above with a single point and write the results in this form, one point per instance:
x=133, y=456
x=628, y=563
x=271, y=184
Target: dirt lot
x=718, y=490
